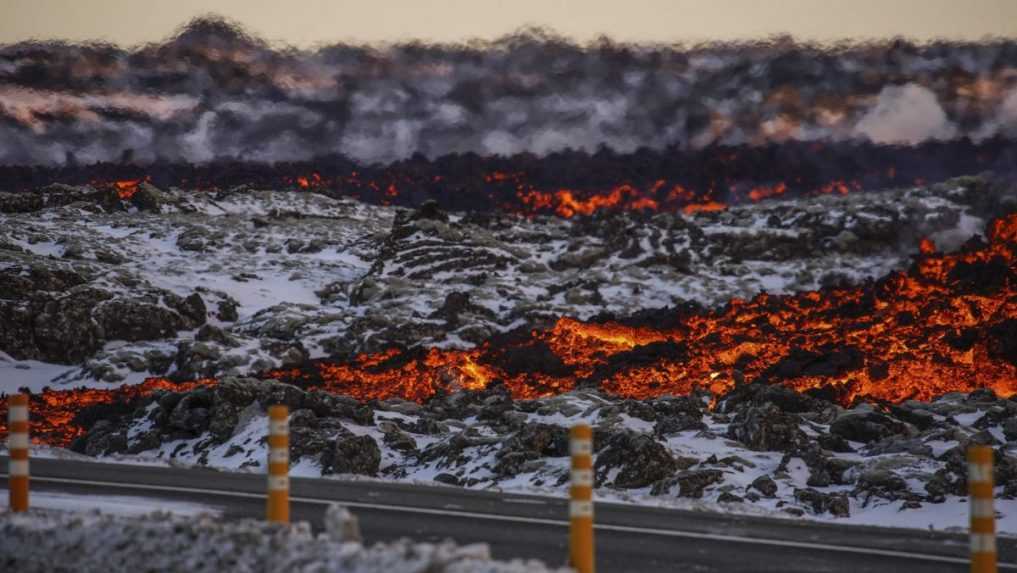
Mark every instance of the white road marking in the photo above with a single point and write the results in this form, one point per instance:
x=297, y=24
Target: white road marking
x=538, y=521
x=522, y=500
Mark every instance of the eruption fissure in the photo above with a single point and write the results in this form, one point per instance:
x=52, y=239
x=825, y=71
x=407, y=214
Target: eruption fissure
x=569, y=184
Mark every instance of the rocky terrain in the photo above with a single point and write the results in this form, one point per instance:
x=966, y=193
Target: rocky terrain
x=762, y=448
x=100, y=290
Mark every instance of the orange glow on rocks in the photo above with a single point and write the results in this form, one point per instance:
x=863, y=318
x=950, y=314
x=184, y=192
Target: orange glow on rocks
x=944, y=325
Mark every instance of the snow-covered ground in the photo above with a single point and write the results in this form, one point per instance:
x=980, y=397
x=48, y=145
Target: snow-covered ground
x=235, y=283
x=47, y=540
x=113, y=504
x=206, y=284
x=905, y=477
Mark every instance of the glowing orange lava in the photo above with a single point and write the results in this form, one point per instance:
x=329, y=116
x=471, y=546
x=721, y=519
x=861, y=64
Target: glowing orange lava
x=942, y=326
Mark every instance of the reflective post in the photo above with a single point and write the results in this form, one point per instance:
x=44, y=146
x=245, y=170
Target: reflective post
x=983, y=516
x=278, y=509
x=581, y=499
x=17, y=444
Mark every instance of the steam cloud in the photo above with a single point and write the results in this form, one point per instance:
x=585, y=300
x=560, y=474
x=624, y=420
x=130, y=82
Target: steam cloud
x=213, y=92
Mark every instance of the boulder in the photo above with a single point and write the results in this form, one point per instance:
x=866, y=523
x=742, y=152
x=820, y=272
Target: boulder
x=836, y=504
x=352, y=455
x=690, y=483
x=765, y=485
x=767, y=428
x=868, y=427
x=641, y=459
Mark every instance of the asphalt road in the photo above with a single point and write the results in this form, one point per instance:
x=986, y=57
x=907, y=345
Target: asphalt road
x=628, y=538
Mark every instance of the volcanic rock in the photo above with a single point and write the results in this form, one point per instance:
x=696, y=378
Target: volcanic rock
x=690, y=483
x=352, y=455
x=767, y=428
x=148, y=197
x=765, y=485
x=836, y=504
x=642, y=460
x=868, y=427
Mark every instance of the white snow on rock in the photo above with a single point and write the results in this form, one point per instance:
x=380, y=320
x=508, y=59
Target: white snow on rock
x=46, y=540
x=112, y=504
x=308, y=276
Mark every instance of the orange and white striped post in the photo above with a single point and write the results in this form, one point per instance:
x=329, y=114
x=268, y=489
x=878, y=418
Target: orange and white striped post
x=581, y=499
x=983, y=516
x=17, y=444
x=278, y=508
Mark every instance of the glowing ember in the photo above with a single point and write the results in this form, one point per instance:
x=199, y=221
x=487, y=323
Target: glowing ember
x=940, y=327
x=125, y=188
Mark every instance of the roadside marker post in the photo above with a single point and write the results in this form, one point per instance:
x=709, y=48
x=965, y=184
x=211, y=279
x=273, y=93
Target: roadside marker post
x=17, y=445
x=983, y=516
x=581, y=499
x=278, y=507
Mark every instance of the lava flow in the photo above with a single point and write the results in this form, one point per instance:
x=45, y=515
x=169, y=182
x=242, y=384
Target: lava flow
x=949, y=323
x=567, y=184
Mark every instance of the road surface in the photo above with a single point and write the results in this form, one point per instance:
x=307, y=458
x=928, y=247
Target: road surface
x=628, y=537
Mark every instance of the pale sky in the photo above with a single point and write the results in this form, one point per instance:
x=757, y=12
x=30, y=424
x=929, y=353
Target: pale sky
x=306, y=23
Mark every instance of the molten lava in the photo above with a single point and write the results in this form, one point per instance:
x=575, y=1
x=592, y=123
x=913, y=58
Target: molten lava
x=568, y=184
x=946, y=324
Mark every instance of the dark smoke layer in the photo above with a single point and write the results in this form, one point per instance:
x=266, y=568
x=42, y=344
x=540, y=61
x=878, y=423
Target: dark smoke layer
x=213, y=92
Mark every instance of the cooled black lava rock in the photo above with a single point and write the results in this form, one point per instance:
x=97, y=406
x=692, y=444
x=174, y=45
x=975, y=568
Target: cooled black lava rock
x=532, y=442
x=545, y=439
x=767, y=428
x=105, y=437
x=827, y=361
x=883, y=484
x=834, y=503
x=642, y=460
x=352, y=455
x=1002, y=341
x=691, y=483
x=785, y=399
x=534, y=357
x=765, y=485
x=868, y=427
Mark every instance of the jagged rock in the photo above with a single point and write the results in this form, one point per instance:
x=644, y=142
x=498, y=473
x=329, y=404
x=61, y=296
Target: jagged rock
x=728, y=497
x=836, y=504
x=766, y=428
x=102, y=439
x=353, y=455
x=868, y=427
x=642, y=460
x=311, y=441
x=834, y=443
x=227, y=310
x=210, y=333
x=148, y=197
x=191, y=415
x=765, y=485
x=673, y=425
x=690, y=483
x=1010, y=429
x=544, y=439
x=532, y=442
x=446, y=478
x=396, y=438
x=881, y=483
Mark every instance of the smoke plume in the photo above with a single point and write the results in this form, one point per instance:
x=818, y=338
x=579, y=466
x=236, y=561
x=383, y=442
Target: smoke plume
x=213, y=92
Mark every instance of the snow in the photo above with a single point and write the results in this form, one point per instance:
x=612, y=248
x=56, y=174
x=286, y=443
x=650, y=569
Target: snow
x=47, y=540
x=245, y=452
x=32, y=374
x=112, y=504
